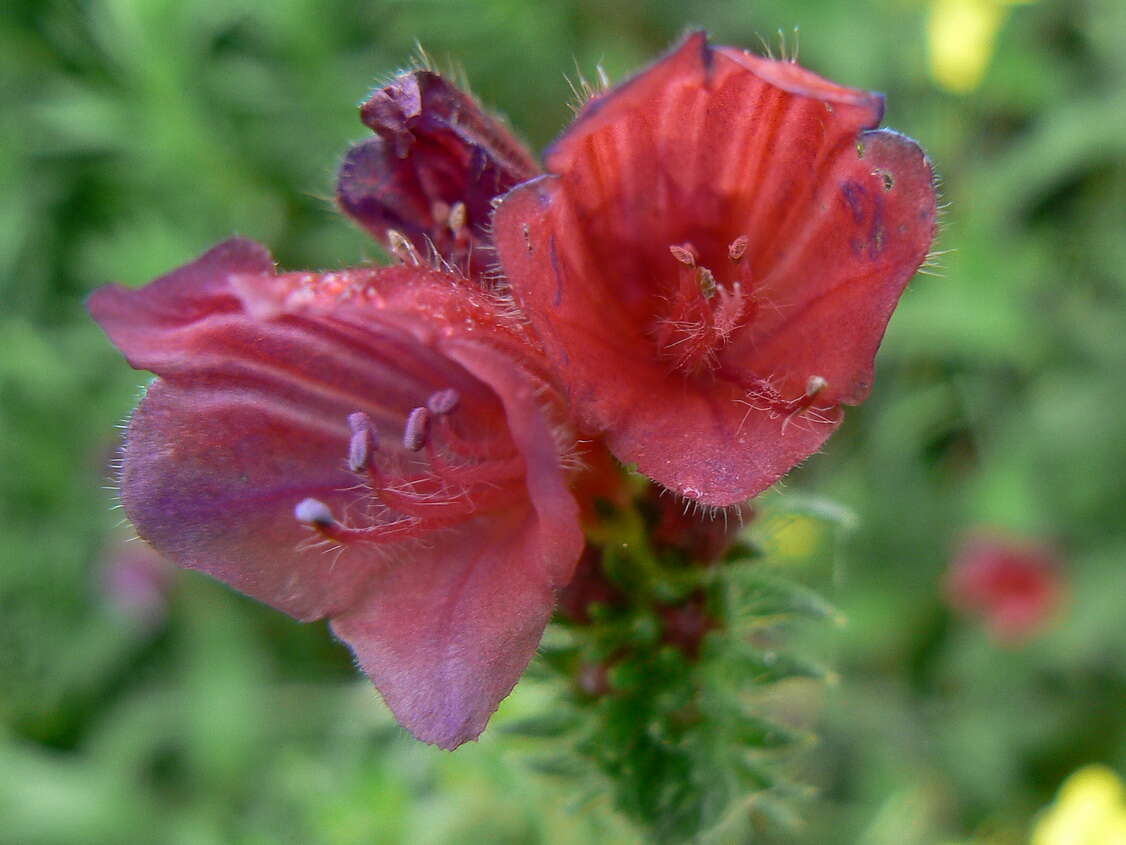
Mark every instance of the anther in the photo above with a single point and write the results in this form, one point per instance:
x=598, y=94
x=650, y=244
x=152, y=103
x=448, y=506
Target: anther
x=364, y=442
x=443, y=402
x=314, y=512
x=684, y=254
x=401, y=247
x=737, y=249
x=706, y=281
x=457, y=217
x=815, y=385
x=417, y=430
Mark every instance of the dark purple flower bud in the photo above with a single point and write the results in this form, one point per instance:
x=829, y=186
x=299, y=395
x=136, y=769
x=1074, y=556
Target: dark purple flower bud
x=431, y=173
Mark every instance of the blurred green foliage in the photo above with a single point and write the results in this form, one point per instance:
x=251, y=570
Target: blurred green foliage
x=135, y=133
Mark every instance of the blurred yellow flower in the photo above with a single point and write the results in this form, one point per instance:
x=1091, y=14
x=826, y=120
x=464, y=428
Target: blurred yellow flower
x=794, y=537
x=1089, y=810
x=960, y=40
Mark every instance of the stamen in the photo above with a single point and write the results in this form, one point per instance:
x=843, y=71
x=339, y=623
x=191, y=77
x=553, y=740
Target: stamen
x=452, y=481
x=401, y=247
x=443, y=402
x=457, y=217
x=359, y=421
x=486, y=472
x=685, y=254
x=364, y=442
x=400, y=529
x=314, y=512
x=417, y=430
x=728, y=312
x=762, y=395
x=706, y=281
x=440, y=503
x=737, y=249
x=701, y=312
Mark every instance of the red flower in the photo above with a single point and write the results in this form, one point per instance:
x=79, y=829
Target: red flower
x=712, y=260
x=378, y=447
x=1013, y=585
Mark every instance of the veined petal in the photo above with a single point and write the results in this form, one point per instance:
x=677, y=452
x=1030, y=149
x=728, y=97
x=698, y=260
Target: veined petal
x=446, y=636
x=719, y=239
x=432, y=171
x=706, y=144
x=833, y=287
x=211, y=475
x=541, y=440
x=714, y=440
x=138, y=321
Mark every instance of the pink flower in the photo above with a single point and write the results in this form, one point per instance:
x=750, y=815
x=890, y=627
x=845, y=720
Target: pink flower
x=1013, y=585
x=136, y=581
x=712, y=259
x=378, y=447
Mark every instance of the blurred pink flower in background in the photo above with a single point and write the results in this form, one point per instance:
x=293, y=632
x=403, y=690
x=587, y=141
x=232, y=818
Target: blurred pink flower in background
x=135, y=580
x=1015, y=585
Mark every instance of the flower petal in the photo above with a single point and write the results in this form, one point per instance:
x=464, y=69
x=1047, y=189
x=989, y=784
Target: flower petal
x=139, y=321
x=834, y=285
x=763, y=173
x=210, y=478
x=717, y=448
x=542, y=441
x=432, y=170
x=446, y=636
x=708, y=140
